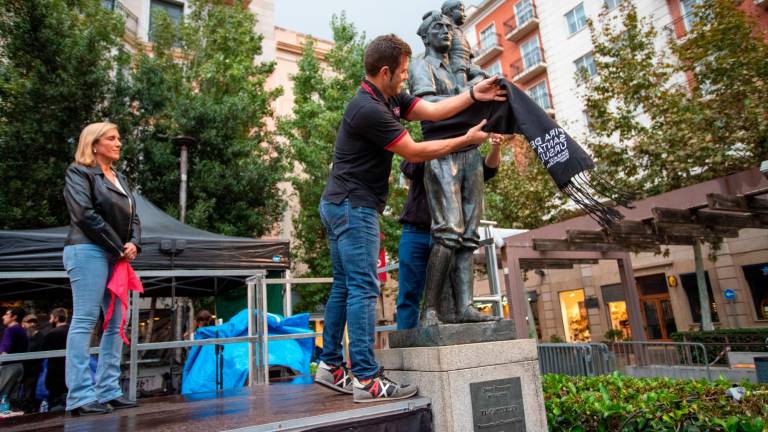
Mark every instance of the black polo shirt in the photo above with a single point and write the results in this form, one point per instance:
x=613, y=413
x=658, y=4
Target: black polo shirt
x=362, y=159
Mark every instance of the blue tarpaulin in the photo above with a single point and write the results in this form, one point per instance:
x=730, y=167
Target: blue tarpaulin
x=200, y=367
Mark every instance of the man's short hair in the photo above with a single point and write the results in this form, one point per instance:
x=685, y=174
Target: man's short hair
x=60, y=315
x=17, y=312
x=448, y=5
x=30, y=320
x=383, y=51
x=430, y=18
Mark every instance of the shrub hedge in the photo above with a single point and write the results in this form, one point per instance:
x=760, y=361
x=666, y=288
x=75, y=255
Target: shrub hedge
x=741, y=339
x=622, y=403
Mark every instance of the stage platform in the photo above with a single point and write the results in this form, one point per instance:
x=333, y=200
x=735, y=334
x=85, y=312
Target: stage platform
x=283, y=407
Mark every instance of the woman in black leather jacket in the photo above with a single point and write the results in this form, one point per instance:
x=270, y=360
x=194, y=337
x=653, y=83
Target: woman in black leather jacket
x=104, y=228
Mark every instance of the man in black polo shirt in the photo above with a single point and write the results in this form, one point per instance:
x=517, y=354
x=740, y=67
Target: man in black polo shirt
x=356, y=193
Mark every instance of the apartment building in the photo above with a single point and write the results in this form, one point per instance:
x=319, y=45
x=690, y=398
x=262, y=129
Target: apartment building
x=540, y=45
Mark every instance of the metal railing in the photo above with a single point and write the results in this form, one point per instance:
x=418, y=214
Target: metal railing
x=258, y=354
x=575, y=359
x=668, y=359
x=487, y=44
x=527, y=63
x=520, y=20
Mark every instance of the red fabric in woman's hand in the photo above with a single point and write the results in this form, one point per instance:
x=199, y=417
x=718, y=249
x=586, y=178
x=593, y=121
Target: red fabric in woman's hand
x=123, y=279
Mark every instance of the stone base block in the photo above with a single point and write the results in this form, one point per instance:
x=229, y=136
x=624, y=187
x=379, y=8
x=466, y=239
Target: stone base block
x=453, y=334
x=488, y=387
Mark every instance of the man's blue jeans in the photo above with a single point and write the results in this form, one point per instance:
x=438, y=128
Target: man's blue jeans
x=413, y=256
x=89, y=268
x=353, y=237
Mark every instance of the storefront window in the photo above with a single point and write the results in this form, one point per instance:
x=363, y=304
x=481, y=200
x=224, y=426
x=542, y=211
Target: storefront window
x=757, y=278
x=614, y=299
x=575, y=318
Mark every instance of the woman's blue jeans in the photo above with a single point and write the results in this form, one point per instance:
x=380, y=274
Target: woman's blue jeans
x=353, y=237
x=89, y=268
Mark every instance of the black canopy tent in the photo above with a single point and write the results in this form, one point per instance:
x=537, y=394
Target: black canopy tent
x=192, y=261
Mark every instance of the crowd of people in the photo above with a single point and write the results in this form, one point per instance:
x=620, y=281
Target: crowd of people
x=25, y=384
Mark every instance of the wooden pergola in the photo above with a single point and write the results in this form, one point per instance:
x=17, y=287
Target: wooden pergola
x=706, y=212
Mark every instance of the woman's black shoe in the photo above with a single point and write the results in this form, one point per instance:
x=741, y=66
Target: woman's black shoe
x=121, y=403
x=91, y=408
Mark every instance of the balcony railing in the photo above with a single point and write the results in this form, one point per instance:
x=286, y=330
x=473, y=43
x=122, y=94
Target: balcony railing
x=529, y=66
x=131, y=20
x=488, y=48
x=519, y=26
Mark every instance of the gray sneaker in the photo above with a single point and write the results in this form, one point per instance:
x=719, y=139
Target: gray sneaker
x=334, y=377
x=381, y=388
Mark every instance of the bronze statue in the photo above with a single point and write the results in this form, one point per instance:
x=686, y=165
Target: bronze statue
x=454, y=185
x=460, y=54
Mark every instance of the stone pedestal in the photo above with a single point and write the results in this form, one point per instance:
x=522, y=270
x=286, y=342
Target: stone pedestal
x=487, y=386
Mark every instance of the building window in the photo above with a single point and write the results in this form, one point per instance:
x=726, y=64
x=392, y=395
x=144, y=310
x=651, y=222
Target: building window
x=494, y=69
x=757, y=279
x=691, y=287
x=575, y=317
x=175, y=12
x=616, y=305
x=488, y=36
x=576, y=18
x=530, y=52
x=523, y=12
x=540, y=95
x=108, y=4
x=612, y=4
x=586, y=62
x=688, y=10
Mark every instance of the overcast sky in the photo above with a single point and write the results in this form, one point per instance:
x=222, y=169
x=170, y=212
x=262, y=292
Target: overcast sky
x=375, y=18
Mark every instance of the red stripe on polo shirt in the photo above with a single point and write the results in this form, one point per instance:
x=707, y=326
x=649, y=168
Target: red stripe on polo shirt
x=396, y=140
x=410, y=108
x=367, y=88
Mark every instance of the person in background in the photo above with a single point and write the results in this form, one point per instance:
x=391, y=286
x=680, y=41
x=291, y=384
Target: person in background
x=31, y=367
x=56, y=339
x=14, y=341
x=104, y=228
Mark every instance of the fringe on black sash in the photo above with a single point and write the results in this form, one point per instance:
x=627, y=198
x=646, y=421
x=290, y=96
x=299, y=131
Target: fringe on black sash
x=582, y=188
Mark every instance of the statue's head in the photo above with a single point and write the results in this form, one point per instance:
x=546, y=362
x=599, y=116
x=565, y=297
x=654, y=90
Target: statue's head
x=454, y=9
x=436, y=31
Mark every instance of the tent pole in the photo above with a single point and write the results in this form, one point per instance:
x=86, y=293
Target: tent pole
x=133, y=369
x=251, y=344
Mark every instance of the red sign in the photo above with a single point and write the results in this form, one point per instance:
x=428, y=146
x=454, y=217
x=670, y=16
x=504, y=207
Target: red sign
x=382, y=259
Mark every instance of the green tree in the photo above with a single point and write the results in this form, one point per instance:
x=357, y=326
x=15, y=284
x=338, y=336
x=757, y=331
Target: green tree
x=201, y=81
x=522, y=195
x=650, y=131
x=321, y=94
x=56, y=60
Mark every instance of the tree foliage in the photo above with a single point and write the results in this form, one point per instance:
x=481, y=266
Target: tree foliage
x=667, y=115
x=321, y=93
x=201, y=81
x=522, y=195
x=56, y=69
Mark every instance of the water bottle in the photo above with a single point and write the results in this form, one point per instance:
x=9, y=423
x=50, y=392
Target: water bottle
x=5, y=406
x=44, y=406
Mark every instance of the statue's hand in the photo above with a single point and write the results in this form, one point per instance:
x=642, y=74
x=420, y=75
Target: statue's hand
x=489, y=90
x=476, y=135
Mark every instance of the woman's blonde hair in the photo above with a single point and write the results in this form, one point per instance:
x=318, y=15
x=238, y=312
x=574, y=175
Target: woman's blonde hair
x=88, y=137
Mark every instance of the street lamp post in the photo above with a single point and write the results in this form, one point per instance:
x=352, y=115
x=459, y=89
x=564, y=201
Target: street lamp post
x=184, y=142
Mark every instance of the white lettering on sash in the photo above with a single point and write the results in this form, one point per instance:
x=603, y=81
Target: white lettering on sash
x=552, y=148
